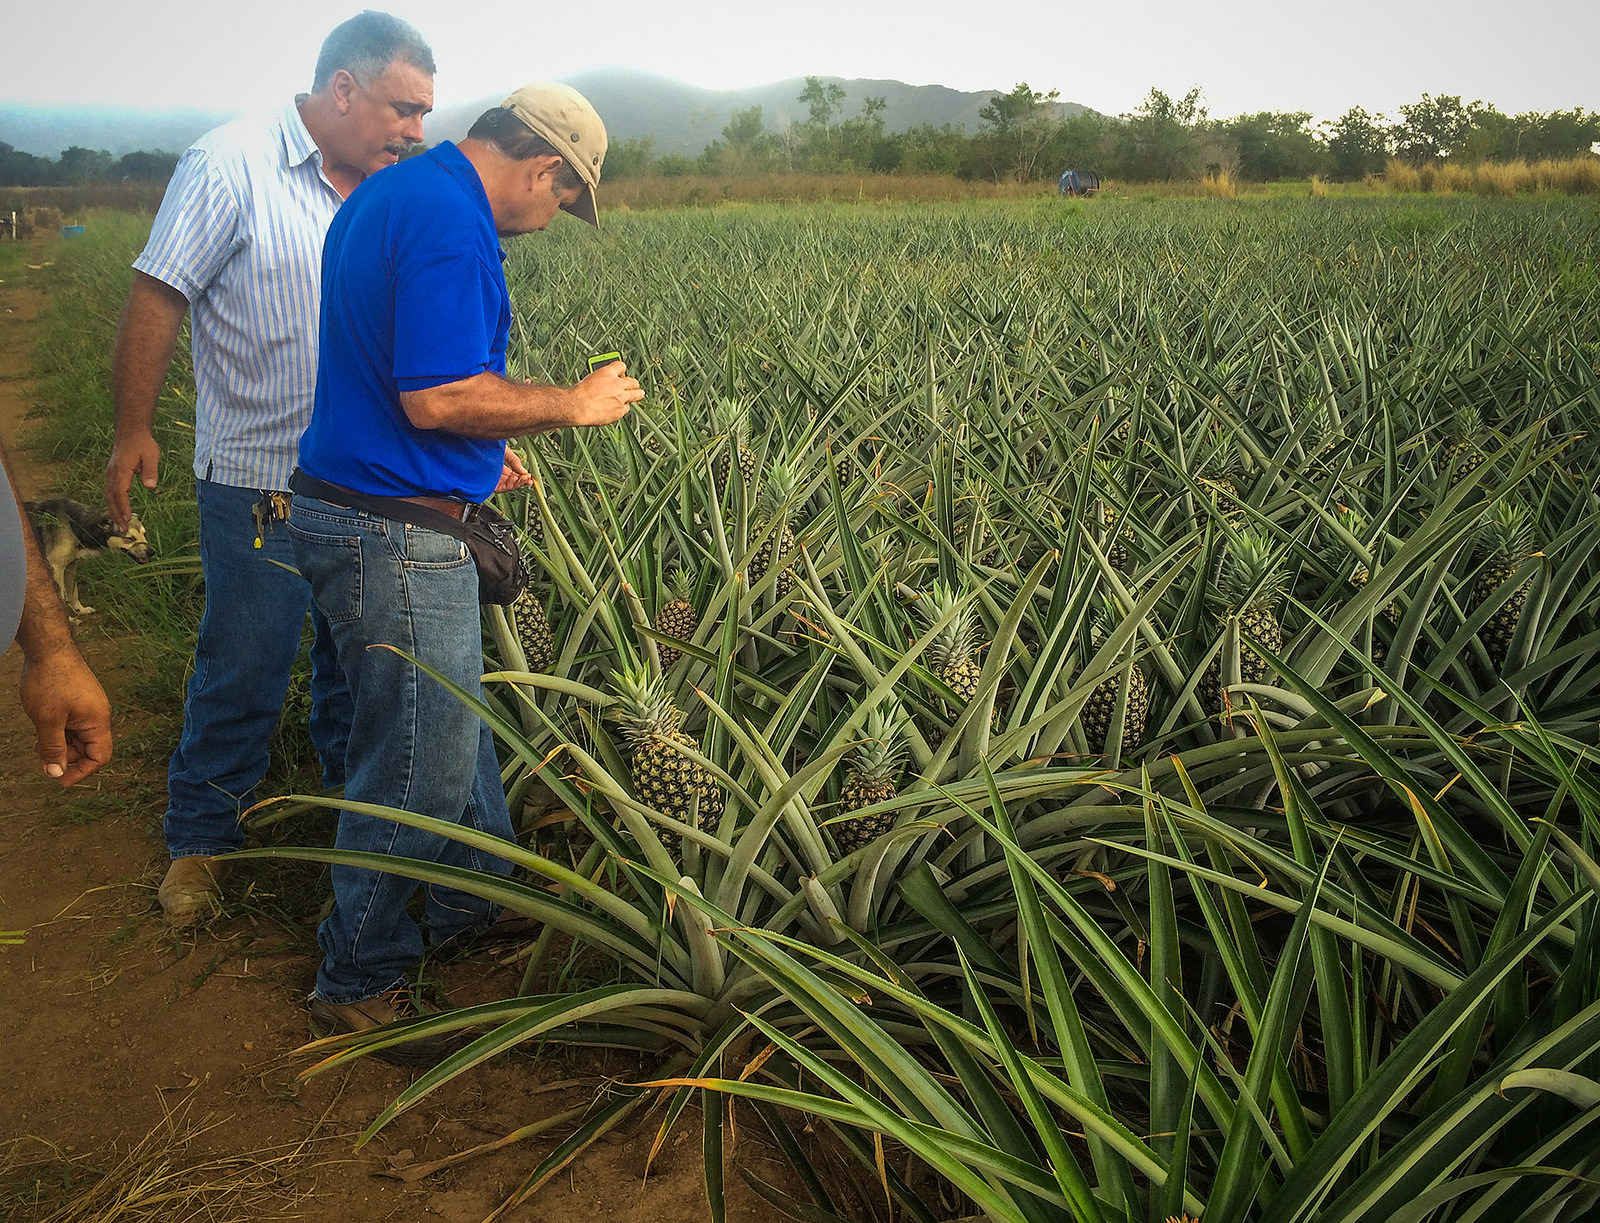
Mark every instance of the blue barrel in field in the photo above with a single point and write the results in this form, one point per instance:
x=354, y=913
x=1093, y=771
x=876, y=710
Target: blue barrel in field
x=1078, y=182
x=72, y=231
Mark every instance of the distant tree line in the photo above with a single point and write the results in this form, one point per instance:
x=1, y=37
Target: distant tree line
x=77, y=166
x=1022, y=137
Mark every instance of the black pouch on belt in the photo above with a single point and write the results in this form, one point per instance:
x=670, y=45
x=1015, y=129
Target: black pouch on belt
x=490, y=536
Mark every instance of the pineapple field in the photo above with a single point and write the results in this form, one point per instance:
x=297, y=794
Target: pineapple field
x=1092, y=706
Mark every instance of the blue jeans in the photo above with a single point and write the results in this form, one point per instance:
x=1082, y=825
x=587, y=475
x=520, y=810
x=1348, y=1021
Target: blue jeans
x=249, y=635
x=413, y=745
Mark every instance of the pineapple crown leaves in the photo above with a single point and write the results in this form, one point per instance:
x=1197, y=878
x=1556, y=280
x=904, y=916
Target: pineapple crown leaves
x=956, y=638
x=645, y=710
x=778, y=491
x=680, y=585
x=1249, y=574
x=730, y=417
x=879, y=757
x=1506, y=534
x=1464, y=425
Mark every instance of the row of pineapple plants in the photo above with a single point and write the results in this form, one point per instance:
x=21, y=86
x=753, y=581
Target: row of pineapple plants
x=929, y=523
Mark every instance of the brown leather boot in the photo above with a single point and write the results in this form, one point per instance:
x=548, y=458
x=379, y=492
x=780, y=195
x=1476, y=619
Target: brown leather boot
x=192, y=889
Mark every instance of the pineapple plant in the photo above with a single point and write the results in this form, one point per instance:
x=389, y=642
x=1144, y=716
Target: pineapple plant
x=1359, y=575
x=1250, y=583
x=1218, y=482
x=1461, y=452
x=533, y=631
x=1110, y=539
x=1101, y=706
x=844, y=462
x=772, y=511
x=949, y=654
x=661, y=775
x=678, y=618
x=973, y=535
x=873, y=777
x=1110, y=542
x=1505, y=541
x=733, y=426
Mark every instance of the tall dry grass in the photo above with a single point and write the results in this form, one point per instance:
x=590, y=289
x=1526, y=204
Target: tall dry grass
x=1219, y=186
x=1572, y=176
x=74, y=201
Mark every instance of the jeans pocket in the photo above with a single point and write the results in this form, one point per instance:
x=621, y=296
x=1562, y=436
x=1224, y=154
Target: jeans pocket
x=332, y=564
x=427, y=549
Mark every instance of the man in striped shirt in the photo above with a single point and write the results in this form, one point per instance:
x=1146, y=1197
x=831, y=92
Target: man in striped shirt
x=237, y=245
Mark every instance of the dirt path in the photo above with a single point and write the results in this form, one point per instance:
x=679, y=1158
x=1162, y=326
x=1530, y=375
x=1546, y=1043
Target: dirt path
x=115, y=1030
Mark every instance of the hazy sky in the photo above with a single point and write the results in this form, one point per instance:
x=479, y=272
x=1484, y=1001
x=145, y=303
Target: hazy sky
x=1247, y=55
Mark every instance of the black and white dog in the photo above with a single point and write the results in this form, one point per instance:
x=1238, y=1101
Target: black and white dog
x=70, y=530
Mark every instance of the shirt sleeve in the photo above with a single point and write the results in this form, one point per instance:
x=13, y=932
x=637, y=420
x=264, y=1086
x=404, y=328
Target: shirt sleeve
x=443, y=331
x=196, y=230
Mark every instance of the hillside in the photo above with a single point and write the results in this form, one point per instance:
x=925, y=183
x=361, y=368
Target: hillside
x=636, y=105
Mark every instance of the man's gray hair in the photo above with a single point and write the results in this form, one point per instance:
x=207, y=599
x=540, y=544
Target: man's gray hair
x=516, y=140
x=366, y=45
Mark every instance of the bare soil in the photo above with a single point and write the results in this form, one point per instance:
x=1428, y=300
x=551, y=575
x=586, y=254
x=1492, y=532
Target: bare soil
x=116, y=1030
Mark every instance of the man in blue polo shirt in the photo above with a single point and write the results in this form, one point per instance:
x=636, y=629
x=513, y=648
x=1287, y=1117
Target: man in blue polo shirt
x=412, y=403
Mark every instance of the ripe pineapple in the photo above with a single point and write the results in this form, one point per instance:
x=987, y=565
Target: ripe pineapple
x=773, y=506
x=533, y=631
x=1249, y=586
x=662, y=777
x=1101, y=706
x=732, y=424
x=1219, y=484
x=872, y=777
x=949, y=654
x=1223, y=493
x=844, y=462
x=678, y=619
x=1355, y=522
x=1462, y=452
x=1505, y=542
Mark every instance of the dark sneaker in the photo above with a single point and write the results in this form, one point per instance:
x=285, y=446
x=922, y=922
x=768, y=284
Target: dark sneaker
x=369, y=1014
x=508, y=927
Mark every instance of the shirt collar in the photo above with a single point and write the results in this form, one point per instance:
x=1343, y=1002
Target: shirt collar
x=298, y=146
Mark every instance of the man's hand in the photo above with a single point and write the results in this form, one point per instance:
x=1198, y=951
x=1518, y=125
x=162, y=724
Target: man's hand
x=138, y=455
x=70, y=714
x=603, y=397
x=513, y=474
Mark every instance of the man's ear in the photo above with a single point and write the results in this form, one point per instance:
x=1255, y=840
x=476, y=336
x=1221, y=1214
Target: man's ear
x=343, y=87
x=542, y=168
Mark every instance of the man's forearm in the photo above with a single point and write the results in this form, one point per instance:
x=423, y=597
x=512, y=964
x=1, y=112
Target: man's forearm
x=487, y=406
x=146, y=337
x=44, y=628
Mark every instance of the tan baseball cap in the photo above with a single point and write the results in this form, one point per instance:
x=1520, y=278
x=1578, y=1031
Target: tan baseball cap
x=564, y=117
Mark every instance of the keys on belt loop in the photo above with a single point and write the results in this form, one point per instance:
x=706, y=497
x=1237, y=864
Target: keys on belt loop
x=271, y=507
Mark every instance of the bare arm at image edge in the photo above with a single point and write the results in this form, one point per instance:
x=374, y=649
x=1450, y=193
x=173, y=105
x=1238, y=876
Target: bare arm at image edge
x=146, y=338
x=487, y=406
x=60, y=695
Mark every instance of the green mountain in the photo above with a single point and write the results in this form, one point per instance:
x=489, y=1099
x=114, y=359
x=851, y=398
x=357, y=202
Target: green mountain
x=635, y=105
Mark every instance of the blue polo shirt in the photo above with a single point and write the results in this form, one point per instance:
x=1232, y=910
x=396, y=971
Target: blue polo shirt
x=413, y=296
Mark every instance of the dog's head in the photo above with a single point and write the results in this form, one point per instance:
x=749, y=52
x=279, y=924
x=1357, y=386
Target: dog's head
x=132, y=541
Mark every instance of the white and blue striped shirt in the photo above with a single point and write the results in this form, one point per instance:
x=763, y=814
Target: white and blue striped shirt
x=239, y=233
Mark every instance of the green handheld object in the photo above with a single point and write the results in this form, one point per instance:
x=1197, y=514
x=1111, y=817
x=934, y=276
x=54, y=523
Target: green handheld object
x=603, y=358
